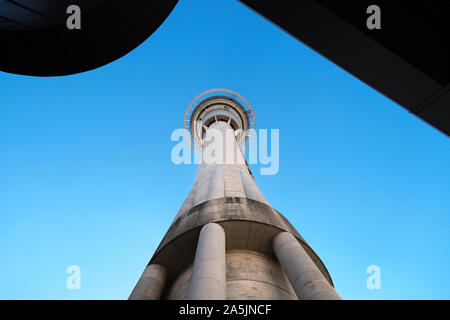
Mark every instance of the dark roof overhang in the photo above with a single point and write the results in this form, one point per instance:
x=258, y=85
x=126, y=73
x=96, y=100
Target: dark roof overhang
x=35, y=40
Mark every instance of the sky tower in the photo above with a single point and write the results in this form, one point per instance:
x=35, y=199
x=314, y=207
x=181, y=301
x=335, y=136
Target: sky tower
x=227, y=242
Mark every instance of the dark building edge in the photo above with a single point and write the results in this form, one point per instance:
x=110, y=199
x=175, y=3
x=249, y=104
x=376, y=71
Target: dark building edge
x=108, y=32
x=403, y=77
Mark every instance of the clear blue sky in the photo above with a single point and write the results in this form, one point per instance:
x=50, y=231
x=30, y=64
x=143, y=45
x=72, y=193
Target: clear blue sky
x=86, y=177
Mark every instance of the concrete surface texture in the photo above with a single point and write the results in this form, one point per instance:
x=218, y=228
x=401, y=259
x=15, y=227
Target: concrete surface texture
x=208, y=280
x=226, y=241
x=249, y=276
x=224, y=174
x=151, y=283
x=305, y=277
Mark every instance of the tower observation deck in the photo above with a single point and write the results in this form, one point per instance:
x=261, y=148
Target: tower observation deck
x=227, y=242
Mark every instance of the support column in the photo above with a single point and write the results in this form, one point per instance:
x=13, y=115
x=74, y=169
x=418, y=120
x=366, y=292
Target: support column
x=216, y=185
x=208, y=280
x=151, y=283
x=306, y=279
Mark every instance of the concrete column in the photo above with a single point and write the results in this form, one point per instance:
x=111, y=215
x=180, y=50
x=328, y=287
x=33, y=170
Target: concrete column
x=208, y=280
x=187, y=204
x=151, y=283
x=251, y=189
x=304, y=276
x=217, y=185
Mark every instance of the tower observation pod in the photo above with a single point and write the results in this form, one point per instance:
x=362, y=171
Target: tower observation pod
x=227, y=242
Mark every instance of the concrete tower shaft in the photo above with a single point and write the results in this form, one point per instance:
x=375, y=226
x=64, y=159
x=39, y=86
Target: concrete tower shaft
x=227, y=242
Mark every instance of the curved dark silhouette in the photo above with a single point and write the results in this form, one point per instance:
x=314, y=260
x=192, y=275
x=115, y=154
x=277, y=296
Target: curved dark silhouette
x=35, y=39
